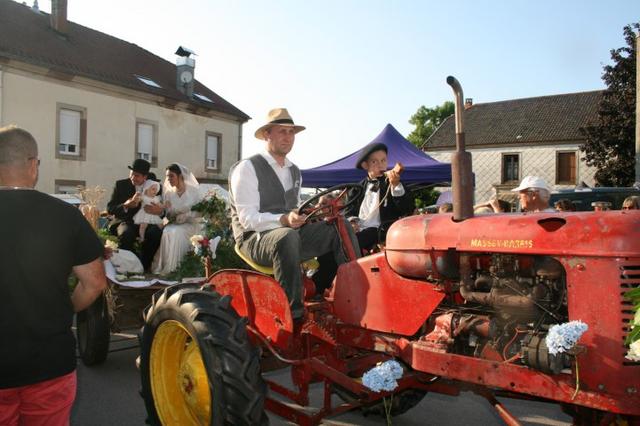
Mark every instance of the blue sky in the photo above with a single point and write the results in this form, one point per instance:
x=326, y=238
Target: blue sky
x=347, y=68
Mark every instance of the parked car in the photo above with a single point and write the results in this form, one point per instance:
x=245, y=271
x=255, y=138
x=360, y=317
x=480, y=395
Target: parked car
x=583, y=199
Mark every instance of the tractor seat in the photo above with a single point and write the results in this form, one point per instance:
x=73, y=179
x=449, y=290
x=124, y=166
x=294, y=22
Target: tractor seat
x=268, y=270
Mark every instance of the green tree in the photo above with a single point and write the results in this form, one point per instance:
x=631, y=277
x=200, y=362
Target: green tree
x=427, y=121
x=610, y=145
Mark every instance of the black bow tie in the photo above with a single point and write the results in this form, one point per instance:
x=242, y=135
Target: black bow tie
x=375, y=184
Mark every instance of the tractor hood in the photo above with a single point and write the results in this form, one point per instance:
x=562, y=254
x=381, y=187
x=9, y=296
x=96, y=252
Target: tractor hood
x=614, y=233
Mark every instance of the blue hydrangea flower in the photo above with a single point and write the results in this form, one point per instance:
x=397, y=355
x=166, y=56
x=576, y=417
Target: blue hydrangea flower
x=383, y=377
x=562, y=337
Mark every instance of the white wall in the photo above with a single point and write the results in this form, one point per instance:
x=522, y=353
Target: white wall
x=539, y=161
x=30, y=101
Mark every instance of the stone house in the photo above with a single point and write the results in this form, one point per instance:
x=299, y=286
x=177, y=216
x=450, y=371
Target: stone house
x=95, y=103
x=515, y=138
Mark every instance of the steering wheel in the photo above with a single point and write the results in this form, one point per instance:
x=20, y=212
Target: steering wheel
x=333, y=205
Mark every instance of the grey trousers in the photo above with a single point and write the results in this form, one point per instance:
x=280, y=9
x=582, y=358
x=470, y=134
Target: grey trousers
x=286, y=248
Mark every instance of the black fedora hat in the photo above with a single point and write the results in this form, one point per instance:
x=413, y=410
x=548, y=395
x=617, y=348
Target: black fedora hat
x=368, y=150
x=140, y=166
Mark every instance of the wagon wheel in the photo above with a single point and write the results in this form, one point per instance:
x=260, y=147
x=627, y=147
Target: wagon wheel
x=93, y=331
x=196, y=362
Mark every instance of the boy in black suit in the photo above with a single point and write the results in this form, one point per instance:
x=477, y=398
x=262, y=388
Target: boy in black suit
x=383, y=200
x=124, y=204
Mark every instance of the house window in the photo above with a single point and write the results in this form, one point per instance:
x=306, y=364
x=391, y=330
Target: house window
x=68, y=186
x=212, y=153
x=148, y=81
x=510, y=168
x=71, y=135
x=147, y=141
x=566, y=168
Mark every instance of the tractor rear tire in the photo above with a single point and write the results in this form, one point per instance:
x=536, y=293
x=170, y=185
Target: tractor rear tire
x=93, y=331
x=197, y=364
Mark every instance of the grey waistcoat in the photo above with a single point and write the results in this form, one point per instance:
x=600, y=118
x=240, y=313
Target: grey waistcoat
x=273, y=197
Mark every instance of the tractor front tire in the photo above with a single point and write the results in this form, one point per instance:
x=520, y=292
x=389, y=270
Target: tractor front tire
x=93, y=331
x=197, y=364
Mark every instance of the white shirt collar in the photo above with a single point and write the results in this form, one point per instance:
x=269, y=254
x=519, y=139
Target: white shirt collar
x=272, y=161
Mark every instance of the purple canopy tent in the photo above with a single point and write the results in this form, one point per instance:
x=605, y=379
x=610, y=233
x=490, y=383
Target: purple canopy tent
x=418, y=166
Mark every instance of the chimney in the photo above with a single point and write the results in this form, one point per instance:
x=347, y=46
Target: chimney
x=468, y=103
x=59, y=16
x=185, y=67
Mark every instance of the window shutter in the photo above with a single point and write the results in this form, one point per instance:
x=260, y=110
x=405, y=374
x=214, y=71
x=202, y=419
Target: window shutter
x=145, y=141
x=70, y=131
x=212, y=152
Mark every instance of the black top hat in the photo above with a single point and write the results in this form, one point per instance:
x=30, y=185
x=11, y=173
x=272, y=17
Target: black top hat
x=368, y=150
x=140, y=166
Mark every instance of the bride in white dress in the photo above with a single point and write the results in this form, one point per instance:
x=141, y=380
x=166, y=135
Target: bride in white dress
x=180, y=192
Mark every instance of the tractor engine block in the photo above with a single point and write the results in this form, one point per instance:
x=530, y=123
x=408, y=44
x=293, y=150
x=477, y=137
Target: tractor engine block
x=502, y=310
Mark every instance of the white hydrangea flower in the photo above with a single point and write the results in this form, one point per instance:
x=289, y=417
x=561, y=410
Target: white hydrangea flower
x=111, y=244
x=634, y=351
x=562, y=337
x=195, y=240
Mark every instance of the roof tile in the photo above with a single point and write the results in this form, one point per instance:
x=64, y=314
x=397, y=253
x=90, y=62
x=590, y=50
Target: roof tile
x=541, y=119
x=26, y=36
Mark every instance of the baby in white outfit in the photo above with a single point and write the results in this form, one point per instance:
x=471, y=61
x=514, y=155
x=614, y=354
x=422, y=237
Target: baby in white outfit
x=150, y=195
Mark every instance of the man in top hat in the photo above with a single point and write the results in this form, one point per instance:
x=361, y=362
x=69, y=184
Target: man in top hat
x=534, y=194
x=125, y=203
x=383, y=200
x=265, y=191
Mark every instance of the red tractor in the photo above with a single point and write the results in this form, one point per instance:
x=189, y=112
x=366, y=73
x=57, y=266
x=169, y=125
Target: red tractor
x=462, y=302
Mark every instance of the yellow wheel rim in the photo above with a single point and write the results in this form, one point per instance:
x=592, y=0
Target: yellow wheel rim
x=179, y=381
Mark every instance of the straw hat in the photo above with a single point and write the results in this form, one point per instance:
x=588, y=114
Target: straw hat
x=279, y=117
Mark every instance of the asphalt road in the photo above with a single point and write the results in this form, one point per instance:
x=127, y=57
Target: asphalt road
x=108, y=395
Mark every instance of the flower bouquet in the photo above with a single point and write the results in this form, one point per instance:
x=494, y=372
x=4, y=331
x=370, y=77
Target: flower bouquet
x=384, y=378
x=563, y=338
x=205, y=248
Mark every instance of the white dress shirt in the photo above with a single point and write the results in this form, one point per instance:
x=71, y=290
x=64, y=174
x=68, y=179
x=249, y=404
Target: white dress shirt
x=369, y=210
x=246, y=198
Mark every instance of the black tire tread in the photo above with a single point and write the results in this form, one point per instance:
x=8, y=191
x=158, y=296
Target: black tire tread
x=221, y=335
x=97, y=324
x=401, y=403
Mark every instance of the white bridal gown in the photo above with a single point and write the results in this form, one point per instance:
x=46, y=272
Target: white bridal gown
x=175, y=236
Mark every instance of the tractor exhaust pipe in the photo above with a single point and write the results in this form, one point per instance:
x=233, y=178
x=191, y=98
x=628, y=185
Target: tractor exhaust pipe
x=461, y=171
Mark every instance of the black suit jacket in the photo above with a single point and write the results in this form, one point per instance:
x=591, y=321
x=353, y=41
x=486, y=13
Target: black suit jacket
x=391, y=209
x=123, y=190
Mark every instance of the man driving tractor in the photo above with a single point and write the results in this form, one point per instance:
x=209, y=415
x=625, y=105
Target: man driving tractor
x=268, y=229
